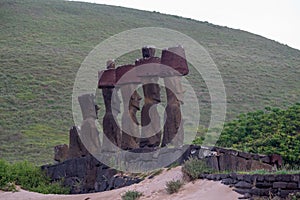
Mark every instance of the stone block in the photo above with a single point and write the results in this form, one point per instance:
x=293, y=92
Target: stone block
x=175, y=58
x=280, y=185
x=107, y=78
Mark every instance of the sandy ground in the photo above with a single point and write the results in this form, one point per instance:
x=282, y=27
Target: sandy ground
x=153, y=189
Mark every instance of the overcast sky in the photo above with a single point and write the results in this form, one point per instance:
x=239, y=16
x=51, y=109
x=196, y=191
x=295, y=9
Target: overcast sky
x=275, y=19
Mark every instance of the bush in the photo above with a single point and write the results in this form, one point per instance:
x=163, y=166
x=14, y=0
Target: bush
x=174, y=186
x=29, y=177
x=268, y=131
x=132, y=195
x=294, y=196
x=193, y=168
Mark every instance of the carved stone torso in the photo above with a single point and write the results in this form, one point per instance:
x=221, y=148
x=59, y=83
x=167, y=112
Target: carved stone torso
x=173, y=127
x=150, y=119
x=111, y=130
x=130, y=129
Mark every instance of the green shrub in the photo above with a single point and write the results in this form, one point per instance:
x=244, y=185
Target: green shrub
x=193, y=168
x=10, y=187
x=29, y=177
x=174, y=186
x=294, y=196
x=132, y=195
x=268, y=131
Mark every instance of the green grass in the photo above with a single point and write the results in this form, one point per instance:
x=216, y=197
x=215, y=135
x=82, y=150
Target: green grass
x=42, y=44
x=29, y=177
x=132, y=195
x=193, y=168
x=173, y=186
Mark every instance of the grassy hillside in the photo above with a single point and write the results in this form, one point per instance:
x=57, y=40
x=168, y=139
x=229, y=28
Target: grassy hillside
x=42, y=44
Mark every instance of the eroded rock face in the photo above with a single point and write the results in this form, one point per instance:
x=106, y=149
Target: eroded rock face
x=89, y=134
x=76, y=147
x=150, y=119
x=86, y=175
x=127, y=82
x=173, y=127
x=111, y=130
x=61, y=152
x=130, y=129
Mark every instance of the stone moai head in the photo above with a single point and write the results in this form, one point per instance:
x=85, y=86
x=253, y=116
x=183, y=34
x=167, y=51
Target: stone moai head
x=148, y=52
x=110, y=64
x=107, y=78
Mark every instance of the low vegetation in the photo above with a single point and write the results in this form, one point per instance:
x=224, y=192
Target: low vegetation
x=132, y=195
x=268, y=131
x=29, y=177
x=193, y=168
x=173, y=186
x=281, y=171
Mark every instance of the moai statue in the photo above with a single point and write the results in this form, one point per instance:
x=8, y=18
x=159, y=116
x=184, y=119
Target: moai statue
x=76, y=147
x=148, y=69
x=174, y=65
x=111, y=130
x=127, y=82
x=89, y=134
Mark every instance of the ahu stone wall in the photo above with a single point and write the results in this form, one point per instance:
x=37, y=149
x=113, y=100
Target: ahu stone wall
x=259, y=185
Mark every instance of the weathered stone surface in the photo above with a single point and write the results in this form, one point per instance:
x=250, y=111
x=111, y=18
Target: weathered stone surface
x=130, y=129
x=174, y=57
x=107, y=78
x=270, y=178
x=148, y=52
x=148, y=67
x=263, y=184
x=228, y=181
x=86, y=174
x=111, y=130
x=241, y=190
x=61, y=152
x=212, y=162
x=265, y=159
x=260, y=192
x=279, y=184
x=173, y=127
x=284, y=177
x=245, y=155
x=150, y=121
x=292, y=185
x=76, y=147
x=285, y=193
x=243, y=184
x=276, y=160
x=88, y=131
x=257, y=165
x=126, y=74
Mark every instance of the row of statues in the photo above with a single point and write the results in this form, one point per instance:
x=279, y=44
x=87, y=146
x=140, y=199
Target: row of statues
x=132, y=134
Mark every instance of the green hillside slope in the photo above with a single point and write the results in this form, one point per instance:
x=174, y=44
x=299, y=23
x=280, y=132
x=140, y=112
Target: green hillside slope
x=42, y=44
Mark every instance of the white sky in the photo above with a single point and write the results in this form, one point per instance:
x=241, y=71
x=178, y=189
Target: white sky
x=275, y=19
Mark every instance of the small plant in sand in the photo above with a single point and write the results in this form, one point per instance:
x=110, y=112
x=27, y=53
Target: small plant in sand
x=132, y=195
x=193, y=168
x=174, y=186
x=10, y=187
